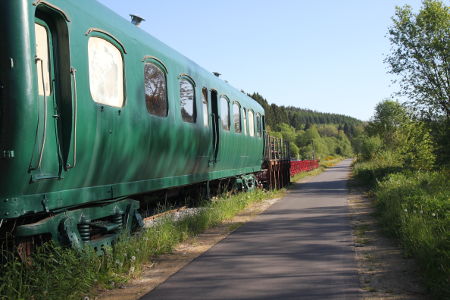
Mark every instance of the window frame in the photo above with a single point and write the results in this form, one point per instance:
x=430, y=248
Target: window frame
x=102, y=34
x=205, y=94
x=189, y=79
x=221, y=112
x=240, y=117
x=251, y=129
x=49, y=62
x=258, y=125
x=245, y=121
x=161, y=66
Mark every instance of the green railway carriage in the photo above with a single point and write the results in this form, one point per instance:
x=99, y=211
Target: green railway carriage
x=94, y=110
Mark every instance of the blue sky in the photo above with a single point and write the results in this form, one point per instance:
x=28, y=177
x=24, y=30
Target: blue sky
x=322, y=55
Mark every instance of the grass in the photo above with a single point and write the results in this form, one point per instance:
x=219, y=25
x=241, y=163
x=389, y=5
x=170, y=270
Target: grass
x=370, y=289
x=361, y=230
x=330, y=161
x=61, y=273
x=414, y=208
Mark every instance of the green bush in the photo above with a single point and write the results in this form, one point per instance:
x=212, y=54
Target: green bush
x=367, y=147
x=417, y=148
x=369, y=172
x=415, y=208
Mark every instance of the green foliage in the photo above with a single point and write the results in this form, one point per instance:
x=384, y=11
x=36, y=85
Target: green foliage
x=367, y=147
x=392, y=131
x=287, y=132
x=388, y=119
x=311, y=144
x=328, y=130
x=383, y=163
x=414, y=207
x=54, y=273
x=409, y=199
x=310, y=134
x=420, y=56
x=440, y=133
x=416, y=149
x=295, y=151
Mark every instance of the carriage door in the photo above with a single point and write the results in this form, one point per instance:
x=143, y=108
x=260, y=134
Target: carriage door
x=215, y=126
x=46, y=162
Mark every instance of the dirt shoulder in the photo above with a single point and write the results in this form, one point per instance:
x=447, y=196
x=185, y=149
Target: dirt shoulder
x=383, y=270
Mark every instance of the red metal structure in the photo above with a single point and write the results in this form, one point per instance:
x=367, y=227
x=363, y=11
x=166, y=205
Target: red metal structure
x=298, y=166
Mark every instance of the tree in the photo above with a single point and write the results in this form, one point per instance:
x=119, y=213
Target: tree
x=287, y=132
x=421, y=56
x=328, y=130
x=368, y=147
x=388, y=118
x=417, y=147
x=294, y=150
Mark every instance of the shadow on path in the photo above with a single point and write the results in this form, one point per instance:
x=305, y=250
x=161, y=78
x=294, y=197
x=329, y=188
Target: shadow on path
x=300, y=248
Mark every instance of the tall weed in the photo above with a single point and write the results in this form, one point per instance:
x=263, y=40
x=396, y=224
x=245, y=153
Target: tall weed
x=414, y=207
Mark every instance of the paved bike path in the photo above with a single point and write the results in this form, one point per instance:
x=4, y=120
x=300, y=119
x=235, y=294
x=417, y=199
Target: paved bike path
x=300, y=248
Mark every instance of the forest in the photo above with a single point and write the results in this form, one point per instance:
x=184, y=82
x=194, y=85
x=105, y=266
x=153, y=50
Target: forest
x=311, y=134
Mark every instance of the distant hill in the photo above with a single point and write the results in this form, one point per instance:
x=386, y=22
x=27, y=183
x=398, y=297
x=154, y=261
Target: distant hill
x=300, y=118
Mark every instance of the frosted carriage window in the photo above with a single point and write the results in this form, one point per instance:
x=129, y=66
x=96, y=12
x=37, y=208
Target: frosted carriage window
x=251, y=123
x=205, y=106
x=225, y=113
x=42, y=60
x=155, y=90
x=105, y=72
x=237, y=117
x=187, y=100
x=244, y=117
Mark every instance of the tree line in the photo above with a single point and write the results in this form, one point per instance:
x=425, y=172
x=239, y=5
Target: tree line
x=311, y=134
x=299, y=117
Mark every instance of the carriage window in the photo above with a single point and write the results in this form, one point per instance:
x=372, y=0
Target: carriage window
x=105, y=72
x=251, y=123
x=258, y=124
x=205, y=106
x=155, y=90
x=187, y=100
x=42, y=62
x=244, y=116
x=225, y=113
x=237, y=117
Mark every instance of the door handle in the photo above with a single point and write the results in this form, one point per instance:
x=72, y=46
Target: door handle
x=73, y=74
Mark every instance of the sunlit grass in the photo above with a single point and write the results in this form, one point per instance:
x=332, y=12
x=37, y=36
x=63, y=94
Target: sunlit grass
x=414, y=207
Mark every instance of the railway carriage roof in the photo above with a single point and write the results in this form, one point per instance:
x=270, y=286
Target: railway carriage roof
x=132, y=37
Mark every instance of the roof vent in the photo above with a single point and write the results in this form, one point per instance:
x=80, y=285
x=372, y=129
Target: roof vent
x=217, y=74
x=136, y=20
